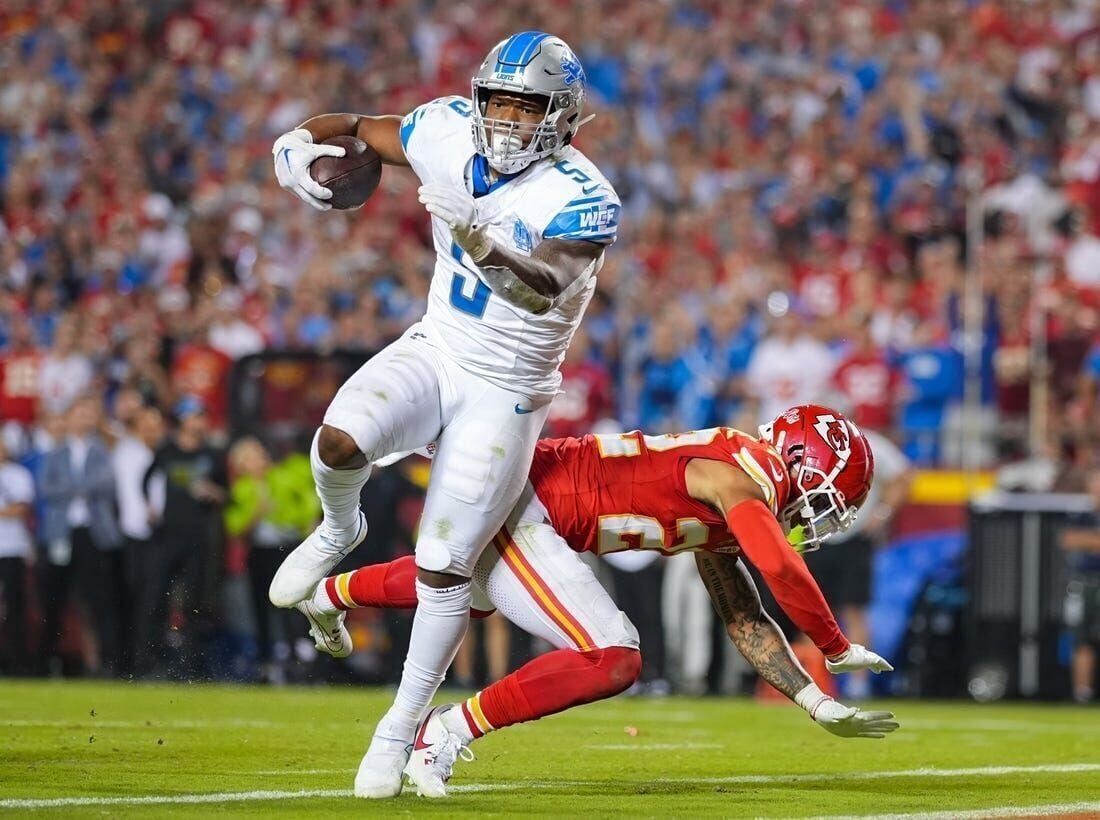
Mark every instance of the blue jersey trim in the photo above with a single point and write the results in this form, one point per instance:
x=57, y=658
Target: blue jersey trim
x=595, y=222
x=481, y=173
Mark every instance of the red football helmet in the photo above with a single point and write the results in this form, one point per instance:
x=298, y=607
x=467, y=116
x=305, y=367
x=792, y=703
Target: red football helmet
x=831, y=469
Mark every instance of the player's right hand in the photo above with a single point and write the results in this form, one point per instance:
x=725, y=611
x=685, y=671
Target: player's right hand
x=294, y=152
x=848, y=721
x=858, y=657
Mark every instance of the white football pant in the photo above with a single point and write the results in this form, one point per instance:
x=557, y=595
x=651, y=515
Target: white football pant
x=530, y=574
x=411, y=394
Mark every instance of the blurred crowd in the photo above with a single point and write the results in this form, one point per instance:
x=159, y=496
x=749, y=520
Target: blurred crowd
x=820, y=200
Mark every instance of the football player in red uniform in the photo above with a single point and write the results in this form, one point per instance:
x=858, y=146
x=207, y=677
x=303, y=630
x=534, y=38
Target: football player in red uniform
x=720, y=493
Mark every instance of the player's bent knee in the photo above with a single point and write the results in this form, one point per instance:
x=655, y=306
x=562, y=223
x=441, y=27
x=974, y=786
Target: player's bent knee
x=620, y=667
x=338, y=450
x=279, y=594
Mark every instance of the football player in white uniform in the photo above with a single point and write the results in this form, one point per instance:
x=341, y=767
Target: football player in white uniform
x=520, y=221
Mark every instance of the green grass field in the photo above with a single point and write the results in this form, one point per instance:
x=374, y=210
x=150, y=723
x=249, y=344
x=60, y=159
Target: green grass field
x=116, y=749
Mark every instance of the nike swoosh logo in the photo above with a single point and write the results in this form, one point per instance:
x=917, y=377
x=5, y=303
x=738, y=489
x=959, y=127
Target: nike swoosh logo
x=523, y=412
x=285, y=154
x=590, y=188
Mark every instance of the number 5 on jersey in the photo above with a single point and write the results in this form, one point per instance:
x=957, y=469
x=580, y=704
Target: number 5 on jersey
x=469, y=299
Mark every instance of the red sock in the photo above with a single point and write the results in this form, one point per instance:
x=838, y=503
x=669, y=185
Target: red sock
x=552, y=683
x=390, y=586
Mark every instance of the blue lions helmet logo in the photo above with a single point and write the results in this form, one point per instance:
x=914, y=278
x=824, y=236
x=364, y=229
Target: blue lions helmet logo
x=571, y=68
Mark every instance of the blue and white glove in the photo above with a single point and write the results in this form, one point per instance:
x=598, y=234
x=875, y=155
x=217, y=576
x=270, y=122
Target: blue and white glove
x=458, y=210
x=294, y=152
x=858, y=657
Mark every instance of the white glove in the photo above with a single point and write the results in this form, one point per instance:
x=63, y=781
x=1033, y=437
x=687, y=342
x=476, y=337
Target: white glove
x=848, y=721
x=456, y=207
x=858, y=657
x=294, y=152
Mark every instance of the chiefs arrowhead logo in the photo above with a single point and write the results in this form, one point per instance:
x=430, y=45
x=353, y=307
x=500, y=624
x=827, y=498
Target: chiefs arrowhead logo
x=835, y=434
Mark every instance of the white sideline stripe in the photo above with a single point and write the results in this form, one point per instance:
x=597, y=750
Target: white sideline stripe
x=651, y=747
x=1045, y=810
x=241, y=797
x=977, y=771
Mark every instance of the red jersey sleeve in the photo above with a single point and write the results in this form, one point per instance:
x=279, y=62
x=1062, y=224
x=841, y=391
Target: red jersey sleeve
x=761, y=540
x=764, y=466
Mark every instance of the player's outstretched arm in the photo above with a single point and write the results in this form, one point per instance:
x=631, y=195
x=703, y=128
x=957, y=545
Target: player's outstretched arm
x=763, y=644
x=736, y=496
x=751, y=629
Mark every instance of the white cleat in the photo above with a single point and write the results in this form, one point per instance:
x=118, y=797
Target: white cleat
x=310, y=561
x=327, y=630
x=380, y=773
x=433, y=754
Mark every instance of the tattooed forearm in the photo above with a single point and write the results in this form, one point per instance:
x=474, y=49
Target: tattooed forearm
x=751, y=629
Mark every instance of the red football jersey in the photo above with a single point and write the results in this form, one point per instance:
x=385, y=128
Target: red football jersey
x=19, y=390
x=620, y=492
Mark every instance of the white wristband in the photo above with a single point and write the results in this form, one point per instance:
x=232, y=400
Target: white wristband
x=810, y=698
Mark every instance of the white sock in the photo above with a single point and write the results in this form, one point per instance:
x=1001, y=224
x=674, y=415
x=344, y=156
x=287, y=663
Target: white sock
x=456, y=724
x=321, y=600
x=438, y=628
x=339, y=493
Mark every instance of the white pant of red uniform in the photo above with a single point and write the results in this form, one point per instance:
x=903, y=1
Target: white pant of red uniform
x=530, y=574
x=411, y=394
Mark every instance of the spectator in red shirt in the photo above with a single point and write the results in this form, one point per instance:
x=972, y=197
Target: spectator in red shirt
x=586, y=392
x=19, y=368
x=867, y=381
x=203, y=371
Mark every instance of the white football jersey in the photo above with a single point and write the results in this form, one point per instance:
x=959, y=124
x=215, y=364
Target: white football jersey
x=564, y=197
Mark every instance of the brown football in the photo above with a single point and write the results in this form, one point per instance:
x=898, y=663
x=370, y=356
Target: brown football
x=353, y=177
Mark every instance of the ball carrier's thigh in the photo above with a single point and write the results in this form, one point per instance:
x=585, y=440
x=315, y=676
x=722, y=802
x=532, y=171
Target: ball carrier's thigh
x=480, y=467
x=392, y=402
x=531, y=575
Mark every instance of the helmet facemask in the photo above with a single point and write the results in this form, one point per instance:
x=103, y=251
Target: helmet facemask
x=529, y=63
x=820, y=509
x=511, y=146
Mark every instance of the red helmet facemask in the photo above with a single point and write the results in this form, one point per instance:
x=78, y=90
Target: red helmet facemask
x=831, y=469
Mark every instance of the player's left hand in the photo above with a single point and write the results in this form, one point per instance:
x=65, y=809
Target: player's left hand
x=848, y=721
x=858, y=657
x=294, y=152
x=457, y=209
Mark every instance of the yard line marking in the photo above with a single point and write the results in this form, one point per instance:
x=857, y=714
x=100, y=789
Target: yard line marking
x=977, y=771
x=161, y=799
x=96, y=723
x=240, y=797
x=281, y=772
x=652, y=747
x=1045, y=810
x=227, y=797
x=992, y=725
